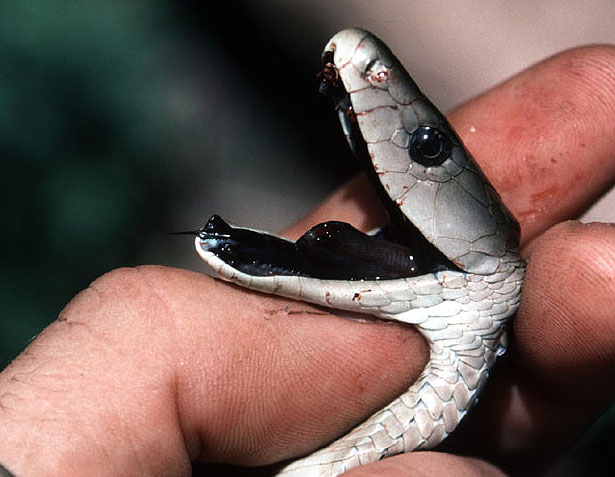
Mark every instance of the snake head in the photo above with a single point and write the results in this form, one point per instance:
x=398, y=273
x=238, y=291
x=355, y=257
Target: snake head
x=444, y=215
x=424, y=175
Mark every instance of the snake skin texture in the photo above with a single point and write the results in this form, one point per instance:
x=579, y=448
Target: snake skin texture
x=462, y=313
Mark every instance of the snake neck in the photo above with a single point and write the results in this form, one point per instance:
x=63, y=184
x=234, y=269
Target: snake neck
x=419, y=419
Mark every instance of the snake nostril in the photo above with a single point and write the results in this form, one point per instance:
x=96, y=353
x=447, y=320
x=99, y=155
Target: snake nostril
x=377, y=73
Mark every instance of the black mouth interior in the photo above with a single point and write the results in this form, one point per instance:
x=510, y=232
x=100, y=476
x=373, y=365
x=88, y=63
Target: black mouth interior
x=331, y=250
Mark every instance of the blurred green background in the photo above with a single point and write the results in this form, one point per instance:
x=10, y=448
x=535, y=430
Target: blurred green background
x=122, y=121
x=84, y=136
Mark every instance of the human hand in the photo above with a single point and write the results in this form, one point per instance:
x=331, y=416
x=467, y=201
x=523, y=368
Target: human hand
x=151, y=368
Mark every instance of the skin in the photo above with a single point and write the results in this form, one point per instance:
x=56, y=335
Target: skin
x=151, y=368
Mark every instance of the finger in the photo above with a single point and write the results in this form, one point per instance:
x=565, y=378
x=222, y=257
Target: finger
x=152, y=367
x=355, y=202
x=565, y=329
x=544, y=138
x=420, y=464
x=267, y=378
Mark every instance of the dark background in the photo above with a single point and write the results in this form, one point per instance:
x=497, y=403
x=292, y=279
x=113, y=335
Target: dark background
x=122, y=121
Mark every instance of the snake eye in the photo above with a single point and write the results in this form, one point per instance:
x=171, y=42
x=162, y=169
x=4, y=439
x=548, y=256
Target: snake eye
x=428, y=146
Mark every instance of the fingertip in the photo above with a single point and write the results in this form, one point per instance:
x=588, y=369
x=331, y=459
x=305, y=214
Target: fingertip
x=564, y=328
x=419, y=464
x=355, y=202
x=545, y=137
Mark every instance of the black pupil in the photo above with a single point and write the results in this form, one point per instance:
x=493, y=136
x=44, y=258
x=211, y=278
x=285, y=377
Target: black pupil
x=429, y=146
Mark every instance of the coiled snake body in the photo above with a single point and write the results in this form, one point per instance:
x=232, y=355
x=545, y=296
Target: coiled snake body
x=447, y=263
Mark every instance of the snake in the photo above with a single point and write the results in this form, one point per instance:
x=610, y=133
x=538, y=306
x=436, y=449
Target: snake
x=447, y=261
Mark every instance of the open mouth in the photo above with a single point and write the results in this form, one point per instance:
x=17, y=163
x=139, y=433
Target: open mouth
x=332, y=250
